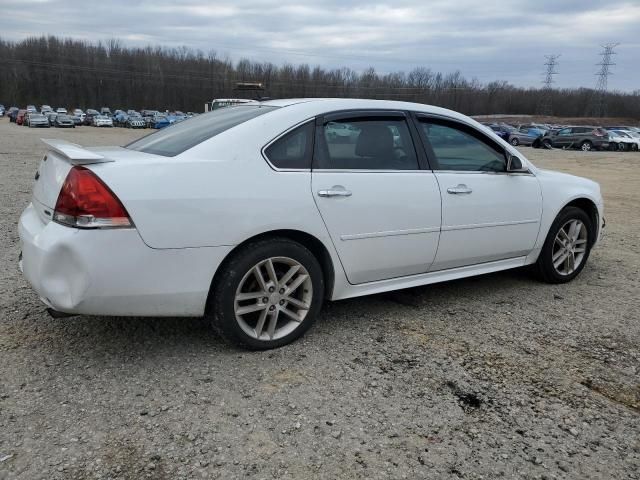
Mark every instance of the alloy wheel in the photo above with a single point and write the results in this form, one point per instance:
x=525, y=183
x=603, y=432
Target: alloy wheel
x=569, y=247
x=586, y=147
x=273, y=298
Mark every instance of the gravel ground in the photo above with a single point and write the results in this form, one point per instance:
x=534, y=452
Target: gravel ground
x=495, y=376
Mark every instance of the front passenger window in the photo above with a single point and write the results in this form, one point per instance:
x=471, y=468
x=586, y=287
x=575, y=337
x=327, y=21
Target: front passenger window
x=458, y=147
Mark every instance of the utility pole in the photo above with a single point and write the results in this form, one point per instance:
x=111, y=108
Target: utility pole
x=545, y=106
x=599, y=102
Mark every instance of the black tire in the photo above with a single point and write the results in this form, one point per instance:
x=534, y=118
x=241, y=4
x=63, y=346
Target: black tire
x=586, y=146
x=546, y=143
x=634, y=147
x=220, y=305
x=543, y=267
x=514, y=141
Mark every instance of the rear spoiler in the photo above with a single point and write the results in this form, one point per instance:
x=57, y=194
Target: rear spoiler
x=75, y=154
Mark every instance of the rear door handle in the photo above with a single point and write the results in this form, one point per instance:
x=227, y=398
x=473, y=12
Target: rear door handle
x=334, y=191
x=460, y=189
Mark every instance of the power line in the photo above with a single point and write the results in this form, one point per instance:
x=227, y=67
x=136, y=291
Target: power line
x=599, y=101
x=545, y=107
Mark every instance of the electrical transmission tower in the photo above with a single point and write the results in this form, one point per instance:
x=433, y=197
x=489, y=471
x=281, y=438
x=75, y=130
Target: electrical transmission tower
x=599, y=102
x=545, y=106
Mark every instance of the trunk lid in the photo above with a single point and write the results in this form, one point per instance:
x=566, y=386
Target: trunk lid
x=61, y=156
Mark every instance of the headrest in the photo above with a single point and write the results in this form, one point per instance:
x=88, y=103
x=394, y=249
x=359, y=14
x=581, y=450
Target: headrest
x=374, y=140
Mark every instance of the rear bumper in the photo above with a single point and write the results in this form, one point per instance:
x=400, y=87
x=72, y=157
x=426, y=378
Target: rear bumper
x=113, y=272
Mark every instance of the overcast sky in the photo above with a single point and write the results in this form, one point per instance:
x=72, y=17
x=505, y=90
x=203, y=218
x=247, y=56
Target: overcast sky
x=487, y=39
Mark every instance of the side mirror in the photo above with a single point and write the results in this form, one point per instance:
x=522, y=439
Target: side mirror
x=514, y=164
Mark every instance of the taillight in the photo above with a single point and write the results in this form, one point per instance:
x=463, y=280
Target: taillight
x=86, y=202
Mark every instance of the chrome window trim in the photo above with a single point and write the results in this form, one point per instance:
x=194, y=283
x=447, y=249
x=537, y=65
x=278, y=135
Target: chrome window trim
x=366, y=170
x=477, y=172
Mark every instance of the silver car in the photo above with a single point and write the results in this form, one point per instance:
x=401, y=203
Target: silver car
x=38, y=120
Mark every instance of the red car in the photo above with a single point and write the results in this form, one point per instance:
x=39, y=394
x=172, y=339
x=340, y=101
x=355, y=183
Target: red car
x=20, y=117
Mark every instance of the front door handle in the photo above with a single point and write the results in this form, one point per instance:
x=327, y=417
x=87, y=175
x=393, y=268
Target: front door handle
x=335, y=191
x=460, y=189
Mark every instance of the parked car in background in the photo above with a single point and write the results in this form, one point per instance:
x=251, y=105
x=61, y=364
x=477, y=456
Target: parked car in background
x=106, y=111
x=147, y=116
x=502, y=130
x=632, y=133
x=38, y=120
x=79, y=113
x=584, y=138
x=32, y=109
x=625, y=129
x=20, y=116
x=135, y=120
x=102, y=121
x=76, y=119
x=2, y=110
x=523, y=136
x=222, y=232
x=44, y=109
x=51, y=116
x=620, y=140
x=12, y=113
x=61, y=110
x=120, y=118
x=88, y=118
x=158, y=121
x=64, y=121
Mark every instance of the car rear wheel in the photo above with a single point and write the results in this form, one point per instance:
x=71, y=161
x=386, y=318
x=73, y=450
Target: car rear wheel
x=515, y=142
x=586, y=146
x=267, y=295
x=567, y=246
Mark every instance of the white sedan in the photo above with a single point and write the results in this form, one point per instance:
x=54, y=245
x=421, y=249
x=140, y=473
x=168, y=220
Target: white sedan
x=253, y=215
x=102, y=121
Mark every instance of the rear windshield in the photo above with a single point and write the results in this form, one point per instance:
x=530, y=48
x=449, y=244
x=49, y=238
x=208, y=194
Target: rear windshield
x=180, y=137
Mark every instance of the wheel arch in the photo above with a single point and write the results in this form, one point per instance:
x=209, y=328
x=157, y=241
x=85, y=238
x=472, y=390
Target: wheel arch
x=317, y=248
x=589, y=207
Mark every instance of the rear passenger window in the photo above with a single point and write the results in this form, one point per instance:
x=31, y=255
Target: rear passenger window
x=367, y=143
x=293, y=150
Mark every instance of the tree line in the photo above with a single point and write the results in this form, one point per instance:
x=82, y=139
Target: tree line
x=75, y=73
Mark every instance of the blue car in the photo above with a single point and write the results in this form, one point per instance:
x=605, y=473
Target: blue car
x=159, y=121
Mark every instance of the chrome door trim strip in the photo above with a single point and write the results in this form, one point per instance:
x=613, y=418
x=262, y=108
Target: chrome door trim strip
x=488, y=225
x=390, y=233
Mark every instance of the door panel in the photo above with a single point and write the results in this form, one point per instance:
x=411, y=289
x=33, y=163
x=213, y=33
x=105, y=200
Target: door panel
x=388, y=227
x=381, y=210
x=498, y=219
x=487, y=213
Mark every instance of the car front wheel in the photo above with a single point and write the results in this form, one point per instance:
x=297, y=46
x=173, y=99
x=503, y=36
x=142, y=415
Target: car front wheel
x=567, y=246
x=586, y=146
x=515, y=142
x=268, y=294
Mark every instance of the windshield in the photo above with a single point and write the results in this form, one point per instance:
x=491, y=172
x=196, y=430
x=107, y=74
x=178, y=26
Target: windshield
x=184, y=135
